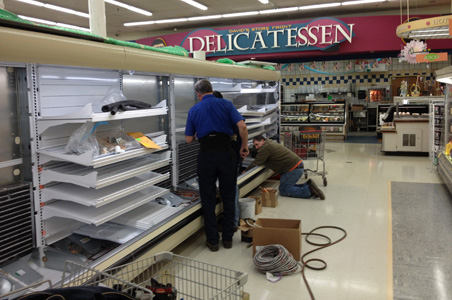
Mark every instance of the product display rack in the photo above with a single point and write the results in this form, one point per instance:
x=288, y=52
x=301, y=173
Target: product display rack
x=330, y=117
x=75, y=191
x=257, y=102
x=437, y=129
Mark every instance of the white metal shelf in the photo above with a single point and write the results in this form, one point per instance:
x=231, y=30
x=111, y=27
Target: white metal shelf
x=104, y=213
x=86, y=114
x=58, y=153
x=100, y=197
x=98, y=178
x=58, y=228
x=263, y=110
x=109, y=231
x=147, y=215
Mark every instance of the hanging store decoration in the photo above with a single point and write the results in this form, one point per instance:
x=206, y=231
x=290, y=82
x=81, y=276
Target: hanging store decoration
x=411, y=50
x=431, y=57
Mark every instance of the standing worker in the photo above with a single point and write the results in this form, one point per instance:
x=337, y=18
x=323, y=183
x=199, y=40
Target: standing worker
x=286, y=163
x=212, y=121
x=236, y=144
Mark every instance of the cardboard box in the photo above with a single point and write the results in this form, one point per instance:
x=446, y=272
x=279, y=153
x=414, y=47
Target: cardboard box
x=246, y=231
x=258, y=206
x=285, y=232
x=269, y=198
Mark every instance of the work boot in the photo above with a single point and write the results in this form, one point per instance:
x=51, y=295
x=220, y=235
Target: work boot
x=227, y=245
x=315, y=191
x=212, y=247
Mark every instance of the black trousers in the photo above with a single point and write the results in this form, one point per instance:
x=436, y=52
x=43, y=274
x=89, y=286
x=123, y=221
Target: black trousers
x=221, y=165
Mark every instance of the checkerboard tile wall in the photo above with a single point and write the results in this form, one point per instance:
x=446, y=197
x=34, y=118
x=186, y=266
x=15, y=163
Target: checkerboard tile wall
x=334, y=74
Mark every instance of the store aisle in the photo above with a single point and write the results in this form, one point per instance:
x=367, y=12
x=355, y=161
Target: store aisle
x=357, y=199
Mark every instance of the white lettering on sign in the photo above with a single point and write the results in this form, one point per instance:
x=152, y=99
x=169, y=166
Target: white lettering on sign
x=239, y=39
x=259, y=39
x=275, y=36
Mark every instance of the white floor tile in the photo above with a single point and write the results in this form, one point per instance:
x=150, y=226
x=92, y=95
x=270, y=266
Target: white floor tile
x=357, y=199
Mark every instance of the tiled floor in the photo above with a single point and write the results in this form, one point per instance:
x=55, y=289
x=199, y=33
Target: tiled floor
x=358, y=200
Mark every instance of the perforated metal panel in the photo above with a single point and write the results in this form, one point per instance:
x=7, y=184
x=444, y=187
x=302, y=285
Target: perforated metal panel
x=16, y=222
x=187, y=156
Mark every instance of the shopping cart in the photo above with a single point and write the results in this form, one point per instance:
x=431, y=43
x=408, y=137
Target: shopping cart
x=188, y=278
x=309, y=144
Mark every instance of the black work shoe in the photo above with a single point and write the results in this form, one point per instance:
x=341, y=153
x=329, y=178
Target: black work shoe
x=227, y=245
x=213, y=248
x=315, y=191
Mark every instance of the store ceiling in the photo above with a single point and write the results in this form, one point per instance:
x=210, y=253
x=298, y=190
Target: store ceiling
x=172, y=9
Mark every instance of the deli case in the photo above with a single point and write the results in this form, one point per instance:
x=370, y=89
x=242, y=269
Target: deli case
x=331, y=117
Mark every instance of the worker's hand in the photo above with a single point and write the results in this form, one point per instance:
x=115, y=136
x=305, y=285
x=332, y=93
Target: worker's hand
x=244, y=151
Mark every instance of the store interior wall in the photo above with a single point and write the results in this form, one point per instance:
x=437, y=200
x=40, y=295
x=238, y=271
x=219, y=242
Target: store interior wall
x=337, y=77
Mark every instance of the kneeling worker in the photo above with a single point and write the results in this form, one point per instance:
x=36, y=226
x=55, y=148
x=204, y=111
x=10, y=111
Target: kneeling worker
x=286, y=163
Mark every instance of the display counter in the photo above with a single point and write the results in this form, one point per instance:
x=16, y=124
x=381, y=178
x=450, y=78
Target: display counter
x=406, y=135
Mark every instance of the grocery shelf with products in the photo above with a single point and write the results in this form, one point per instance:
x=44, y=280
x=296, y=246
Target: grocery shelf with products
x=331, y=117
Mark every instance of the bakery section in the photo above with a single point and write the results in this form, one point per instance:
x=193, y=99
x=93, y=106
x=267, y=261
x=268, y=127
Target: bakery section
x=329, y=116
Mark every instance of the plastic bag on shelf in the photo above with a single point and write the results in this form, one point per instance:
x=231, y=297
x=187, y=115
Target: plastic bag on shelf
x=115, y=141
x=83, y=140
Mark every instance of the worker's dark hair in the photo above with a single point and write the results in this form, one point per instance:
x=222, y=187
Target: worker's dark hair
x=259, y=138
x=203, y=86
x=217, y=94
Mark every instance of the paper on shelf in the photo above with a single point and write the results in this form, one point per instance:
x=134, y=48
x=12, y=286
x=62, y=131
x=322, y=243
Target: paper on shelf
x=144, y=140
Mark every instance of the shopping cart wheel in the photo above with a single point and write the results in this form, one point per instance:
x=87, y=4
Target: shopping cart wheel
x=325, y=182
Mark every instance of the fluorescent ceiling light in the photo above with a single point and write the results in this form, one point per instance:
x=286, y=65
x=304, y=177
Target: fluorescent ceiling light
x=432, y=30
x=315, y=6
x=36, y=20
x=428, y=35
x=55, y=7
x=249, y=13
x=195, y=4
x=361, y=2
x=171, y=21
x=204, y=18
x=263, y=1
x=66, y=10
x=37, y=3
x=139, y=23
x=130, y=7
x=278, y=10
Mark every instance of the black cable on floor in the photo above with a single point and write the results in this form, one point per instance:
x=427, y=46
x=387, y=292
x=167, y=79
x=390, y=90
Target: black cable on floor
x=277, y=260
x=305, y=264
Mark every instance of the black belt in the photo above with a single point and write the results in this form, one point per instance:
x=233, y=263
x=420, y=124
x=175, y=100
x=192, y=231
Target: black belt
x=216, y=141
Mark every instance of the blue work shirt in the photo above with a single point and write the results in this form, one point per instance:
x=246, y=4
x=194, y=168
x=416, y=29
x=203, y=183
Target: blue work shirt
x=211, y=115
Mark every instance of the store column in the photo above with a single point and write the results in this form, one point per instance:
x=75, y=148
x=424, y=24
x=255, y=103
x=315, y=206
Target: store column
x=97, y=23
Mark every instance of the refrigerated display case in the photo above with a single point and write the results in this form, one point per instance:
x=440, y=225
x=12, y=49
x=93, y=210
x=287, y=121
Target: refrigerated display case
x=331, y=117
x=444, y=158
x=65, y=77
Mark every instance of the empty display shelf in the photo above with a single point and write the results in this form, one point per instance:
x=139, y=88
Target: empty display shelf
x=104, y=213
x=100, y=197
x=104, y=176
